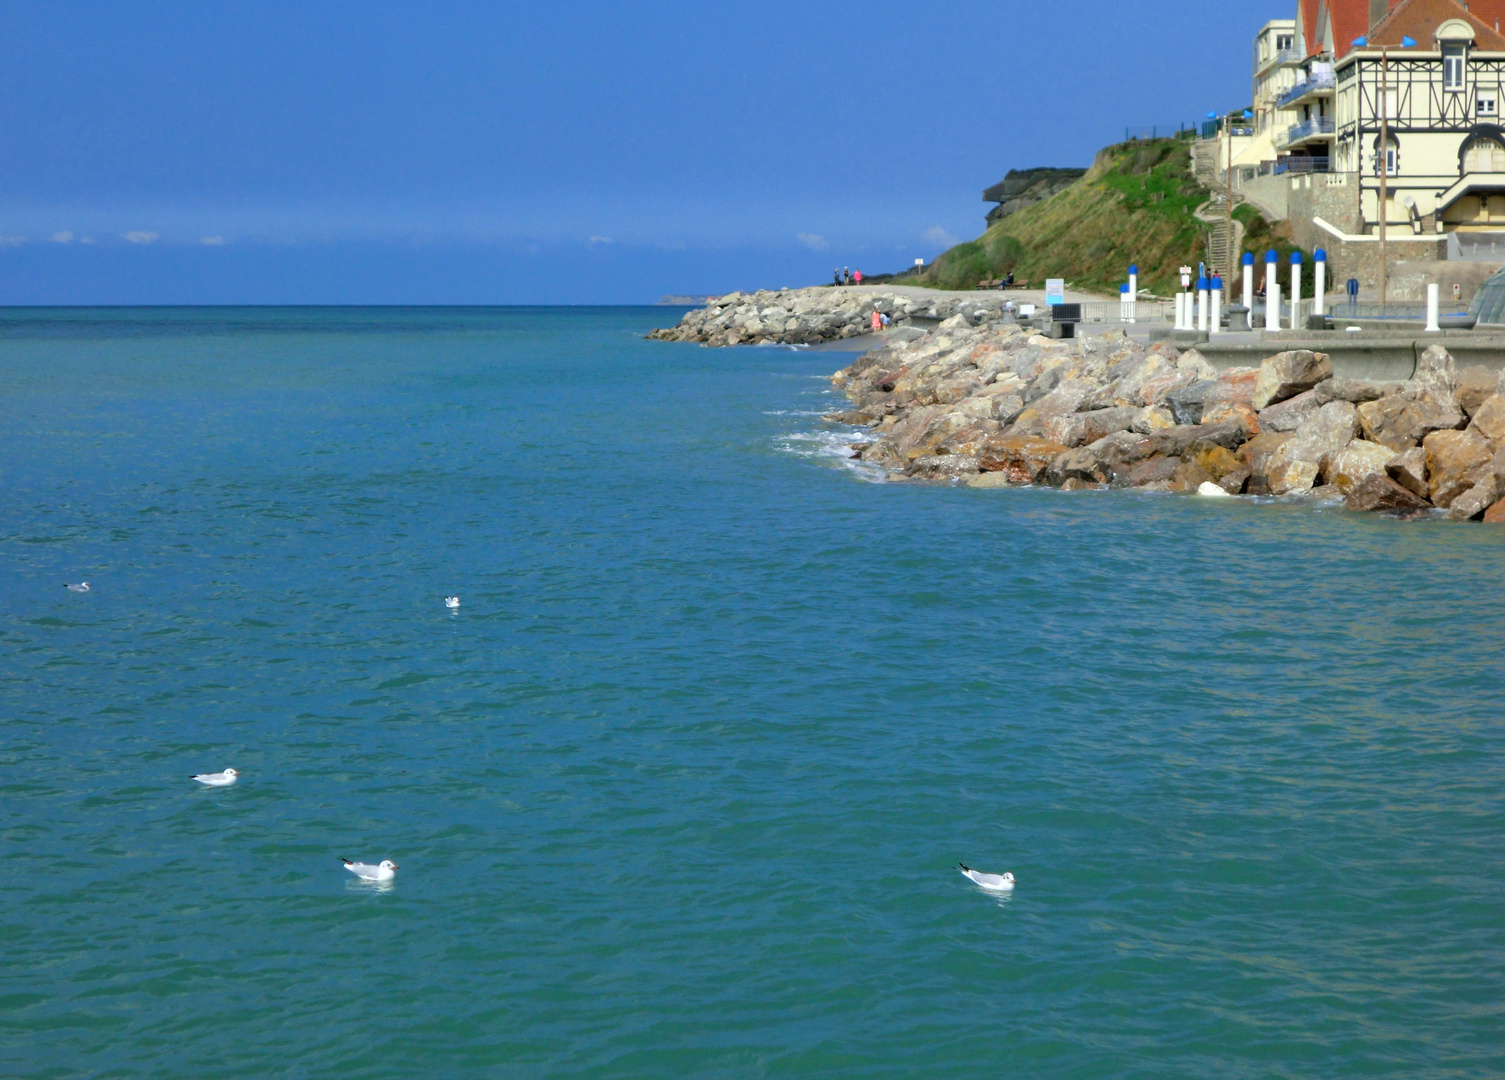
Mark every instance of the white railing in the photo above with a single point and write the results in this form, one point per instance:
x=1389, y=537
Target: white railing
x=1317, y=81
x=1318, y=125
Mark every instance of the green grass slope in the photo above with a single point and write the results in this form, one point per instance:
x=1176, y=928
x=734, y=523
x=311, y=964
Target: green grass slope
x=1135, y=205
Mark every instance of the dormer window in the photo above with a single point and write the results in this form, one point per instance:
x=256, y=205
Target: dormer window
x=1452, y=67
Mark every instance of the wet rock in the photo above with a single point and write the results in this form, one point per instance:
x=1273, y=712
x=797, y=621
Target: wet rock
x=1078, y=429
x=1409, y=469
x=988, y=480
x=1489, y=418
x=1356, y=462
x=1189, y=476
x=1380, y=493
x=1210, y=490
x=1290, y=477
x=943, y=465
x=1403, y=420
x=1287, y=374
x=1081, y=464
x=1495, y=515
x=1485, y=492
x=1022, y=460
x=1256, y=455
x=1323, y=434
x=1453, y=457
x=1154, y=470
x=1475, y=383
x=1222, y=466
x=1289, y=414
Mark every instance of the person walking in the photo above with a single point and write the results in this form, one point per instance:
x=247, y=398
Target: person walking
x=846, y=276
x=836, y=277
x=876, y=322
x=856, y=277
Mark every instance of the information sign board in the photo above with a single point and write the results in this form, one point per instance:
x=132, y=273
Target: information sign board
x=1055, y=290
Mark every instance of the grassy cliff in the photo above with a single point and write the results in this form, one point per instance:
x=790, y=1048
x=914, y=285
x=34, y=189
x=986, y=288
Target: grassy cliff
x=1135, y=205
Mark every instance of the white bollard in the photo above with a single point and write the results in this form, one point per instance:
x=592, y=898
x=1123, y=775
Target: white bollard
x=1272, y=306
x=1133, y=290
x=1202, y=305
x=1295, y=290
x=1249, y=282
x=1180, y=311
x=1215, y=322
x=1319, y=301
x=1432, y=327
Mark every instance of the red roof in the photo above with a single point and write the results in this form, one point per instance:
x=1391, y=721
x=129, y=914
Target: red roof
x=1419, y=19
x=1350, y=19
x=1306, y=15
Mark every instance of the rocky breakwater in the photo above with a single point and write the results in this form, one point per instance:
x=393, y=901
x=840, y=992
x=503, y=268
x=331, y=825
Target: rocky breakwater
x=812, y=316
x=999, y=406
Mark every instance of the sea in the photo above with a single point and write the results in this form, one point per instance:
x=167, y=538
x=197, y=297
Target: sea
x=681, y=788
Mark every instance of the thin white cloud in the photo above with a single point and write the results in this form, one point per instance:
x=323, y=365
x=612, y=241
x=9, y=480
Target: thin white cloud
x=87, y=240
x=139, y=237
x=814, y=241
x=62, y=238
x=12, y=241
x=599, y=240
x=939, y=237
x=212, y=241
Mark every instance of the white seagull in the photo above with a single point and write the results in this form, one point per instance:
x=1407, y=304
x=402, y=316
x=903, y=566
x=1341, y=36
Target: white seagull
x=991, y=882
x=451, y=601
x=82, y=586
x=386, y=870
x=217, y=779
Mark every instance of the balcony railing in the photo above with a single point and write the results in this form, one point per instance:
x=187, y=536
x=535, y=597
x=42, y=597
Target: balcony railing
x=1303, y=165
x=1296, y=133
x=1315, y=83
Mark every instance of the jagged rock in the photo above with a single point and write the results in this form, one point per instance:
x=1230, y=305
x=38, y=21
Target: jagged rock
x=1078, y=429
x=1211, y=491
x=1287, y=374
x=1189, y=476
x=1193, y=361
x=1325, y=433
x=1435, y=371
x=1325, y=493
x=1024, y=461
x=1289, y=414
x=1256, y=455
x=1379, y=492
x=1495, y=515
x=988, y=480
x=1152, y=418
x=1409, y=469
x=1475, y=383
x=1235, y=412
x=1477, y=499
x=1222, y=466
x=1081, y=464
x=1357, y=461
x=1355, y=391
x=1238, y=385
x=1154, y=470
x=1401, y=421
x=1489, y=418
x=1187, y=402
x=1452, y=459
x=943, y=465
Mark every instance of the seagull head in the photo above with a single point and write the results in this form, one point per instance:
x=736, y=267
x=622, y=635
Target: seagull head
x=388, y=864
x=231, y=772
x=1009, y=878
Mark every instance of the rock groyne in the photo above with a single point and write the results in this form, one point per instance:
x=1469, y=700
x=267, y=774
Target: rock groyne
x=999, y=406
x=813, y=316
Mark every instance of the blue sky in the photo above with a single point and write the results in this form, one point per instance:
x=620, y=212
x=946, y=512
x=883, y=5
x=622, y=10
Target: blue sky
x=562, y=152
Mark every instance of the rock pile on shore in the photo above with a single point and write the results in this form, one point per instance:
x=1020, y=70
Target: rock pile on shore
x=998, y=406
x=810, y=316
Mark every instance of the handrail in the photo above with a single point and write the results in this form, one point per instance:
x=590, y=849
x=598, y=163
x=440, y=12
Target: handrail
x=1324, y=80
x=1317, y=125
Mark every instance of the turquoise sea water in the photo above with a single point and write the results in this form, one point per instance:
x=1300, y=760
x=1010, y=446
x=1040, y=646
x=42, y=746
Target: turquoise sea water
x=679, y=789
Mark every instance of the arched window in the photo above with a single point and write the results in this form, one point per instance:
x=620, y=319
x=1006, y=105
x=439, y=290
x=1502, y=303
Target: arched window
x=1484, y=155
x=1391, y=156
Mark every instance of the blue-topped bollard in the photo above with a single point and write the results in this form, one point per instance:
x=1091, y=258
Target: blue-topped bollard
x=1319, y=287
x=1248, y=262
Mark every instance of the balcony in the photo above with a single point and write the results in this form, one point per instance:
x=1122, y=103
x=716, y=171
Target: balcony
x=1319, y=127
x=1303, y=165
x=1281, y=59
x=1317, y=84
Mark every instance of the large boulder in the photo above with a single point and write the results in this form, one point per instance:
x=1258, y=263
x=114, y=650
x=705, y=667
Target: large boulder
x=1222, y=467
x=1495, y=515
x=1320, y=437
x=1436, y=372
x=1474, y=385
x=1022, y=460
x=1473, y=503
x=1489, y=418
x=1356, y=391
x=1453, y=457
x=1187, y=402
x=1237, y=412
x=1355, y=463
x=1287, y=374
x=1409, y=469
x=1256, y=455
x=1379, y=492
x=1403, y=420
x=1078, y=429
x=1289, y=414
x=1152, y=418
x=1154, y=470
x=1081, y=464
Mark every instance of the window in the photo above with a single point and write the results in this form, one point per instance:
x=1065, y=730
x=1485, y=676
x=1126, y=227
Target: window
x=1283, y=42
x=1392, y=158
x=1484, y=155
x=1487, y=105
x=1452, y=67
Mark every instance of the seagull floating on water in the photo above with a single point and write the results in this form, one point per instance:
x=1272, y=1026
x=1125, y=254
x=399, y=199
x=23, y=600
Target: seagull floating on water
x=217, y=779
x=451, y=601
x=386, y=870
x=82, y=586
x=991, y=882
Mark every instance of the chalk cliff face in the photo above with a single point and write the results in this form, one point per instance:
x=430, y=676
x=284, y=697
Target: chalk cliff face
x=1025, y=187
